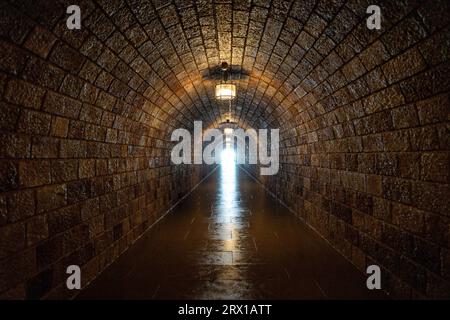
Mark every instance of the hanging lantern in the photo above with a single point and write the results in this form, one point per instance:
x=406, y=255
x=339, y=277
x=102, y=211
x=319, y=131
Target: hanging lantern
x=228, y=131
x=225, y=90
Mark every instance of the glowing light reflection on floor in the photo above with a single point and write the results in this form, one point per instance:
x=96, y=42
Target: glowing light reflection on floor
x=228, y=179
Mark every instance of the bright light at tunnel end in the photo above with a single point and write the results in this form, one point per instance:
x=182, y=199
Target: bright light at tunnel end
x=255, y=147
x=228, y=156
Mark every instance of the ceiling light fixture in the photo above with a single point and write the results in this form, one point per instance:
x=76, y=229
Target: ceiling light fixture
x=225, y=90
x=228, y=131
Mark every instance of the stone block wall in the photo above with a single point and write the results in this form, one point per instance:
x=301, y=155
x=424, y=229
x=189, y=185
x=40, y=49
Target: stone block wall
x=367, y=162
x=84, y=150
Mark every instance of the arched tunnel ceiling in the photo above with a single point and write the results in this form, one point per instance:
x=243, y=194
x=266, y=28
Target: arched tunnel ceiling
x=178, y=45
x=294, y=59
x=165, y=52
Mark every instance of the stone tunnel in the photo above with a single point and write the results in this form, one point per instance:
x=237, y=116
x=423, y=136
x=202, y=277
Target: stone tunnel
x=86, y=176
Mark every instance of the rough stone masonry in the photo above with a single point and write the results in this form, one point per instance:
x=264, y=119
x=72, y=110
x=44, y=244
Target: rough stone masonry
x=86, y=117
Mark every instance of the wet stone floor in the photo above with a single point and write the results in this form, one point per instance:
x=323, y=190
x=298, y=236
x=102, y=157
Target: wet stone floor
x=230, y=240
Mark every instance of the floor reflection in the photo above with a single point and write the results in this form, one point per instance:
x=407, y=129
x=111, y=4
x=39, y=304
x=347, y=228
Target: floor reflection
x=224, y=211
x=227, y=198
x=229, y=240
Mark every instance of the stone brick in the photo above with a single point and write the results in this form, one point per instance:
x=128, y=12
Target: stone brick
x=37, y=230
x=86, y=168
x=95, y=133
x=16, y=293
x=374, y=55
x=3, y=211
x=96, y=226
x=104, y=80
x=433, y=110
x=387, y=164
x=34, y=173
x=431, y=196
x=63, y=219
x=21, y=205
x=64, y=170
x=375, y=80
x=3, y=80
x=33, y=122
x=75, y=238
x=409, y=165
x=341, y=211
x=374, y=184
x=75, y=131
x=91, y=114
x=413, y=274
x=101, y=167
x=12, y=59
x=24, y=94
x=43, y=73
x=51, y=197
x=435, y=167
x=436, y=49
x=382, y=209
x=424, y=138
x=9, y=116
x=12, y=239
x=445, y=258
x=13, y=25
x=90, y=209
x=66, y=58
x=78, y=191
x=437, y=288
x=88, y=93
x=405, y=117
x=40, y=41
x=408, y=218
x=410, y=31
x=107, y=60
x=403, y=66
x=397, y=189
x=396, y=141
x=353, y=69
x=373, y=143
x=437, y=228
x=374, y=123
x=388, y=98
x=364, y=203
x=72, y=149
x=9, y=178
x=17, y=269
x=59, y=127
x=89, y=71
x=14, y=146
x=49, y=251
x=40, y=284
x=43, y=147
x=71, y=86
x=444, y=137
x=427, y=254
x=61, y=105
x=426, y=84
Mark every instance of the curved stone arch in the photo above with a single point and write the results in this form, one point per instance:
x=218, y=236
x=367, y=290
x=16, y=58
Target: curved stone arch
x=363, y=113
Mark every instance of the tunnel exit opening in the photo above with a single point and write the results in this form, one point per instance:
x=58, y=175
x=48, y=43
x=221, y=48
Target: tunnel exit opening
x=228, y=156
